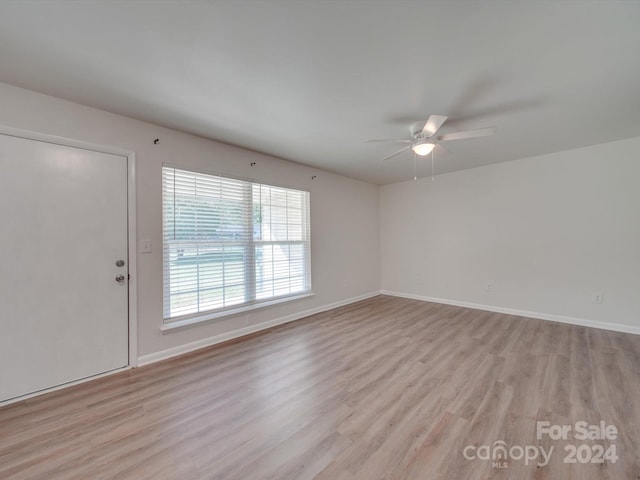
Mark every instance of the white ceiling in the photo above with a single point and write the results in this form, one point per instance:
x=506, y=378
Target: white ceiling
x=310, y=81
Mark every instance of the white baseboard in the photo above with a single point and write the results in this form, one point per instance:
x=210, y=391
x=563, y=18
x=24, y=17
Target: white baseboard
x=223, y=337
x=616, y=327
x=64, y=385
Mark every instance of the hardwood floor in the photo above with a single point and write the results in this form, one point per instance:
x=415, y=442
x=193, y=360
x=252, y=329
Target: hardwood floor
x=386, y=388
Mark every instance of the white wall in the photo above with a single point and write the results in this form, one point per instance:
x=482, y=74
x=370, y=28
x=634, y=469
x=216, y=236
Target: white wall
x=344, y=212
x=547, y=232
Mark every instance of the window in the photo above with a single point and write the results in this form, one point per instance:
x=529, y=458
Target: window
x=231, y=243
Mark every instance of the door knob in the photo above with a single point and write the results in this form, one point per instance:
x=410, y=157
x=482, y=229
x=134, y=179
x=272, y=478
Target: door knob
x=120, y=279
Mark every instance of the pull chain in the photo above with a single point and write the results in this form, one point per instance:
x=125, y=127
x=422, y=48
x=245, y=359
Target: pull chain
x=432, y=165
x=415, y=166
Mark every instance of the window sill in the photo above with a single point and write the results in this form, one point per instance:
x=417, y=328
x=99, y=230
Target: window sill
x=204, y=318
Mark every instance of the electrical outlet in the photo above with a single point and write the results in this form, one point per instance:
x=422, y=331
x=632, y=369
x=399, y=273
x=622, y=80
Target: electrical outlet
x=597, y=298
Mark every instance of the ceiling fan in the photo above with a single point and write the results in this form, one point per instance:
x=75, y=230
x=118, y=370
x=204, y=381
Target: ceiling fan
x=423, y=139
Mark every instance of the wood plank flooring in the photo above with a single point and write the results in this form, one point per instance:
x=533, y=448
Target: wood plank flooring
x=386, y=388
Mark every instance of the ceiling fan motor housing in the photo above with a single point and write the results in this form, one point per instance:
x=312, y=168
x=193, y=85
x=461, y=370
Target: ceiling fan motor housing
x=416, y=130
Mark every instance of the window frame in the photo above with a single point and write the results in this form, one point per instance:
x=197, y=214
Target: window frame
x=250, y=282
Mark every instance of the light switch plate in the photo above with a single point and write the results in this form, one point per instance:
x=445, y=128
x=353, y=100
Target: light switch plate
x=145, y=246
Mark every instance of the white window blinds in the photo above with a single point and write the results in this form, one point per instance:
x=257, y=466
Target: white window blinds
x=230, y=243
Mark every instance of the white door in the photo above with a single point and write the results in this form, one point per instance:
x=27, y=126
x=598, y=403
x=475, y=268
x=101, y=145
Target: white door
x=63, y=227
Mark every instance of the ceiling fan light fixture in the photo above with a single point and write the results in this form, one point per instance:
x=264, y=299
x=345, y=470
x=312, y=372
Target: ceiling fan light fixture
x=423, y=148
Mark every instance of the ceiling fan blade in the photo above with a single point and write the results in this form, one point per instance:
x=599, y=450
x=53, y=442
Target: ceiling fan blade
x=517, y=106
x=441, y=150
x=387, y=140
x=480, y=132
x=397, y=153
x=433, y=124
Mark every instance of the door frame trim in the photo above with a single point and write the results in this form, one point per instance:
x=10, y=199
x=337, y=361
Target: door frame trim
x=131, y=234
